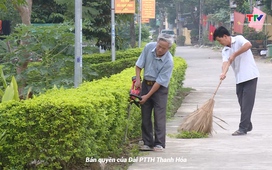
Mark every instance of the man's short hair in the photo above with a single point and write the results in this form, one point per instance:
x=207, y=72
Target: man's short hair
x=166, y=37
x=220, y=32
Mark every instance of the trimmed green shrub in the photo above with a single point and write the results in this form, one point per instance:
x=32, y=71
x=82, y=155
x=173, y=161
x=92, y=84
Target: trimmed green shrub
x=62, y=127
x=106, y=69
x=176, y=82
x=106, y=57
x=173, y=49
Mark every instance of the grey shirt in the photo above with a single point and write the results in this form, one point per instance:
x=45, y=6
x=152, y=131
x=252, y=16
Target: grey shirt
x=157, y=69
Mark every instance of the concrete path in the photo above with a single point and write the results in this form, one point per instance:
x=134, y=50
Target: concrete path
x=221, y=151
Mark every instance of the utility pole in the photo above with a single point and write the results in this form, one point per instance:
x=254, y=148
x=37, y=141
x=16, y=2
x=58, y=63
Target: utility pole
x=200, y=25
x=140, y=23
x=78, y=43
x=178, y=20
x=112, y=30
x=250, y=5
x=233, y=6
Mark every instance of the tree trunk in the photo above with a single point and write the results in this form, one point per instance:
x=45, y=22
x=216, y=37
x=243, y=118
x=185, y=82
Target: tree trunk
x=25, y=13
x=132, y=32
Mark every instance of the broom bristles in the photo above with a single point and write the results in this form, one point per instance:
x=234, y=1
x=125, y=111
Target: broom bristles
x=201, y=120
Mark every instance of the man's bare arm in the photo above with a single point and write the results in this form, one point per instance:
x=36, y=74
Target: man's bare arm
x=243, y=49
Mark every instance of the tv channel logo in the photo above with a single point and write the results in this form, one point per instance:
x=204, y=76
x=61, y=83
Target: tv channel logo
x=254, y=17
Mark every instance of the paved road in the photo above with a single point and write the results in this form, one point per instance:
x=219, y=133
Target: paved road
x=221, y=151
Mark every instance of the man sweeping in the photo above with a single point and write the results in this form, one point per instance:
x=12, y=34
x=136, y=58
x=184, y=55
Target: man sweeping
x=237, y=53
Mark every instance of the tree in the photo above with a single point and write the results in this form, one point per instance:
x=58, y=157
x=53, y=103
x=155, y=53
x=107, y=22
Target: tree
x=243, y=6
x=3, y=4
x=189, y=13
x=48, y=12
x=51, y=49
x=24, y=8
x=25, y=11
x=221, y=16
x=96, y=16
x=214, y=6
x=10, y=14
x=268, y=5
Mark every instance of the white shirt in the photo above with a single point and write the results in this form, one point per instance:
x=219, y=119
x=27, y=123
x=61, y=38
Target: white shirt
x=244, y=65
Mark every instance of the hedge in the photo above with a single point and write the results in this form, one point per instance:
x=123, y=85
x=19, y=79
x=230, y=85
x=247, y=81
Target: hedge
x=106, y=57
x=106, y=69
x=62, y=127
x=60, y=70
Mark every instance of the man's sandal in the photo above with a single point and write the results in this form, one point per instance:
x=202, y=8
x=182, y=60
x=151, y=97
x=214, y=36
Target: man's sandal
x=146, y=148
x=238, y=133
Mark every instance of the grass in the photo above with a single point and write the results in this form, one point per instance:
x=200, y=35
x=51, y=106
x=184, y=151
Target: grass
x=188, y=135
x=191, y=135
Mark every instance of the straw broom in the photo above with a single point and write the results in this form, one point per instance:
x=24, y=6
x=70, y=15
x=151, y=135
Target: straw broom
x=201, y=120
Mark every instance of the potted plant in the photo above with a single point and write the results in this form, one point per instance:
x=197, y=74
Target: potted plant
x=256, y=38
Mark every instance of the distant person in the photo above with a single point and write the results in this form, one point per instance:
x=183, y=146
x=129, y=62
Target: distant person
x=157, y=62
x=238, y=54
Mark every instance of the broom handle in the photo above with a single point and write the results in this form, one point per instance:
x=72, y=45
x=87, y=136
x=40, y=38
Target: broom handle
x=217, y=88
x=225, y=71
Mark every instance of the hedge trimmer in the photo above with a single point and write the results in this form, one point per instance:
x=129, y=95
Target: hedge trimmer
x=134, y=98
x=134, y=93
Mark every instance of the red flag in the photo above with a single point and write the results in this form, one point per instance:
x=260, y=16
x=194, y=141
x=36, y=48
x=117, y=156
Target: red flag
x=238, y=24
x=204, y=20
x=256, y=23
x=211, y=29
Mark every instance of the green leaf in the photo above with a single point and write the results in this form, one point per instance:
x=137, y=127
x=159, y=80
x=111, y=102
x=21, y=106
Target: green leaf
x=3, y=7
x=1, y=92
x=29, y=93
x=9, y=93
x=3, y=79
x=2, y=138
x=15, y=89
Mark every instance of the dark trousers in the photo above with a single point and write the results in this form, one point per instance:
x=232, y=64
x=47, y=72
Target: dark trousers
x=246, y=92
x=156, y=102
